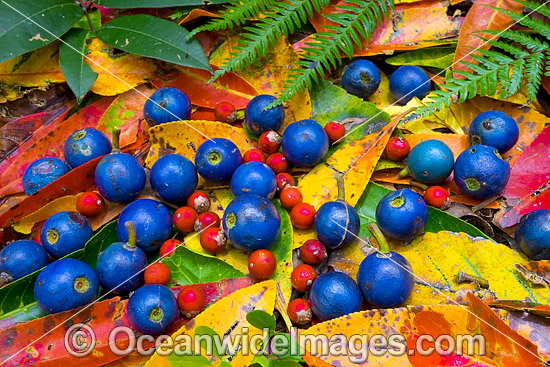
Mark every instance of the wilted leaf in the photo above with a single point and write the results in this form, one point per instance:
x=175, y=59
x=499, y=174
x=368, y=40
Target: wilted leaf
x=228, y=318
x=437, y=57
x=523, y=306
x=117, y=72
x=537, y=272
x=228, y=88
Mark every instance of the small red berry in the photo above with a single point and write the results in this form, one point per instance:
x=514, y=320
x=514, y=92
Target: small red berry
x=269, y=142
x=191, y=301
x=302, y=277
x=262, y=264
x=90, y=204
x=284, y=179
x=253, y=155
x=335, y=131
x=213, y=240
x=290, y=196
x=157, y=273
x=302, y=215
x=397, y=149
x=199, y=201
x=299, y=311
x=225, y=112
x=184, y=219
x=277, y=162
x=438, y=197
x=168, y=247
x=313, y=252
x=206, y=220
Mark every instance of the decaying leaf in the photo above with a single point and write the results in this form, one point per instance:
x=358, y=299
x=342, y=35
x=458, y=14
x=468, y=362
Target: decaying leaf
x=537, y=272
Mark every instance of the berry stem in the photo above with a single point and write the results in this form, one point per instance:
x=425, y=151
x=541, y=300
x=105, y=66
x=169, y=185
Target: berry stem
x=116, y=139
x=131, y=233
x=341, y=187
x=383, y=246
x=419, y=185
x=484, y=203
x=404, y=173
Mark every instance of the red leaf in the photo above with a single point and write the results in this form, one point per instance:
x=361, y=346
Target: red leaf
x=203, y=114
x=230, y=87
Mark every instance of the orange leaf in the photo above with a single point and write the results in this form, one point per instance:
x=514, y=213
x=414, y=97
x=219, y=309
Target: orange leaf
x=197, y=13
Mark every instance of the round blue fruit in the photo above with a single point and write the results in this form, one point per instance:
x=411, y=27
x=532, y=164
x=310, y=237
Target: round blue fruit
x=385, y=280
x=481, y=172
x=152, y=309
x=65, y=232
x=21, y=258
x=166, y=105
x=495, y=129
x=409, y=81
x=533, y=235
x=120, y=267
x=402, y=214
x=305, y=143
x=361, y=78
x=119, y=177
x=84, y=145
x=217, y=159
x=251, y=223
x=254, y=178
x=42, y=172
x=152, y=221
x=64, y=285
x=257, y=120
x=174, y=178
x=430, y=162
x=333, y=295
x=336, y=224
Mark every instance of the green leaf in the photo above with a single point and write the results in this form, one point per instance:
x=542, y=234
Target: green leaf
x=205, y=330
x=437, y=57
x=261, y=320
x=78, y=74
x=286, y=363
x=149, y=36
x=95, y=17
x=48, y=19
x=260, y=360
x=99, y=242
x=130, y=4
x=438, y=220
x=190, y=267
x=187, y=361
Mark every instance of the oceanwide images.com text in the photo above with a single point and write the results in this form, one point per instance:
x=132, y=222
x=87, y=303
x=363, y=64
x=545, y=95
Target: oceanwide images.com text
x=80, y=341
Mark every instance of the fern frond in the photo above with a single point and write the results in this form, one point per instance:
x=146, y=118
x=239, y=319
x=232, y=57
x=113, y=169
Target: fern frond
x=235, y=14
x=324, y=52
x=281, y=20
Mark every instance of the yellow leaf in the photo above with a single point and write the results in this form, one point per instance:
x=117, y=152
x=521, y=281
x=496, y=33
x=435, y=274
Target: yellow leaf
x=117, y=73
x=382, y=97
x=228, y=317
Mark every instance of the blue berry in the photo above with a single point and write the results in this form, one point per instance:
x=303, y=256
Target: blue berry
x=166, y=105
x=333, y=295
x=65, y=232
x=257, y=120
x=84, y=145
x=254, y=178
x=216, y=159
x=361, y=78
x=409, y=81
x=305, y=143
x=174, y=178
x=42, y=172
x=495, y=129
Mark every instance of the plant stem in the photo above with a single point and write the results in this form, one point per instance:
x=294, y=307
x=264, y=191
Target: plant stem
x=383, y=246
x=85, y=9
x=131, y=233
x=116, y=139
x=419, y=185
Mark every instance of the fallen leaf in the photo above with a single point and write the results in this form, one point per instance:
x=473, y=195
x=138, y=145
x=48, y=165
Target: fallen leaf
x=536, y=272
x=197, y=13
x=523, y=306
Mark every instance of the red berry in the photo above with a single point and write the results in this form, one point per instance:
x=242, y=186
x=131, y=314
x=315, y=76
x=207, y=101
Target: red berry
x=398, y=148
x=313, y=252
x=335, y=131
x=254, y=155
x=302, y=277
x=262, y=264
x=206, y=220
x=269, y=142
x=184, y=219
x=90, y=204
x=299, y=311
x=225, y=112
x=191, y=301
x=168, y=247
x=284, y=179
x=290, y=196
x=302, y=215
x=213, y=240
x=277, y=162
x=438, y=197
x=157, y=273
x=199, y=201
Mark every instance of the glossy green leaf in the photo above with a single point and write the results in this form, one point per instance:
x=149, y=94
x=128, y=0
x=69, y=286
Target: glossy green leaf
x=78, y=74
x=29, y=24
x=190, y=267
x=187, y=361
x=95, y=18
x=150, y=36
x=261, y=320
x=99, y=242
x=437, y=57
x=438, y=220
x=128, y=4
